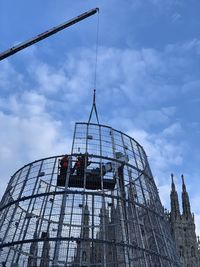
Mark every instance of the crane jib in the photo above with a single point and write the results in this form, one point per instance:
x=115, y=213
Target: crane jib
x=46, y=34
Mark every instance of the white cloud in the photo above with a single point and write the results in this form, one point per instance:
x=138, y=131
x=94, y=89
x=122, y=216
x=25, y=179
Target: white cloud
x=27, y=133
x=162, y=153
x=7, y=75
x=69, y=82
x=173, y=130
x=49, y=79
x=176, y=17
x=164, y=193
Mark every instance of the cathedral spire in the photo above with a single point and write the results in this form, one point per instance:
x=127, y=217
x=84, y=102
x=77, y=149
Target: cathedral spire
x=183, y=183
x=175, y=211
x=173, y=185
x=86, y=219
x=185, y=200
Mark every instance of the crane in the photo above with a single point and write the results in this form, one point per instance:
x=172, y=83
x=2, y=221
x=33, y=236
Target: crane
x=46, y=34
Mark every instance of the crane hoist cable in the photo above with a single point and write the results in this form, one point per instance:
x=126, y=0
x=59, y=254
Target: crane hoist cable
x=94, y=108
x=96, y=52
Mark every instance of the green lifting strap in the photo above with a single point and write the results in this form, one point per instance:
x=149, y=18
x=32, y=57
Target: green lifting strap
x=94, y=108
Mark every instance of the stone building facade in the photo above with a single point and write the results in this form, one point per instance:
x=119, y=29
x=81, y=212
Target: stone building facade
x=183, y=228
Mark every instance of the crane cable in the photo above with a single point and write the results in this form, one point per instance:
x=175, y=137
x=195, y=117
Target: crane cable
x=94, y=108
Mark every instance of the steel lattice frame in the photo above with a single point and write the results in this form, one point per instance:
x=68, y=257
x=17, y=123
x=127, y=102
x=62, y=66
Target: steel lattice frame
x=42, y=224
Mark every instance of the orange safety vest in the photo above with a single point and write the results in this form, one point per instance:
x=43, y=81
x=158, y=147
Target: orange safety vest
x=64, y=162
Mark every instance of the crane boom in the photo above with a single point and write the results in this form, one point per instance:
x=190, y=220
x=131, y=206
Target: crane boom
x=46, y=34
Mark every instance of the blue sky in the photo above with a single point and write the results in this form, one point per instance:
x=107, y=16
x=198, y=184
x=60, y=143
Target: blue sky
x=147, y=82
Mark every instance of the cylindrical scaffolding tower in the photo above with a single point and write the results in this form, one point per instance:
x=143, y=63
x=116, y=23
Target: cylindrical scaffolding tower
x=98, y=206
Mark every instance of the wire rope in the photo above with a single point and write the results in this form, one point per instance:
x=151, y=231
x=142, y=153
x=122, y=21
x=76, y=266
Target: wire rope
x=95, y=74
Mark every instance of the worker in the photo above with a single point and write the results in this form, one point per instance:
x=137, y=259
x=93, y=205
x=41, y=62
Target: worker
x=64, y=165
x=80, y=164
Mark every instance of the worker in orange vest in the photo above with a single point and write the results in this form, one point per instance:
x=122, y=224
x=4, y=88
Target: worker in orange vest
x=80, y=164
x=64, y=165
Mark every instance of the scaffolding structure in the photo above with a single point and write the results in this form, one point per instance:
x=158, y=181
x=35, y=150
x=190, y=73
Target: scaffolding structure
x=106, y=213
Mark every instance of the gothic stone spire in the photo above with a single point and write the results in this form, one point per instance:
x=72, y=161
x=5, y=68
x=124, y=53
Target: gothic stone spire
x=185, y=200
x=175, y=211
